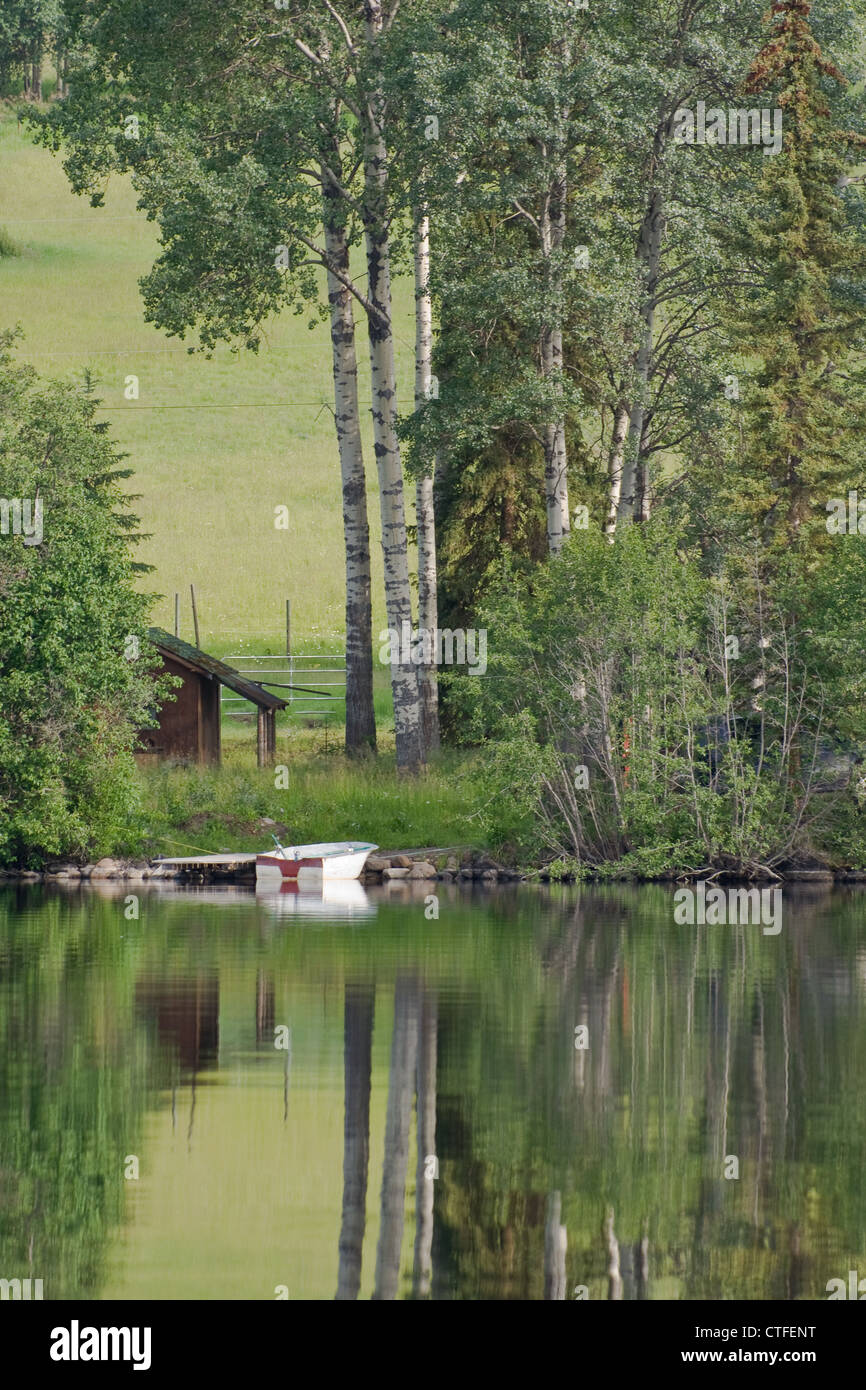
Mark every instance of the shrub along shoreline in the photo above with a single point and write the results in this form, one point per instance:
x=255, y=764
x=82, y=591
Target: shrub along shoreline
x=440, y=826
x=446, y=818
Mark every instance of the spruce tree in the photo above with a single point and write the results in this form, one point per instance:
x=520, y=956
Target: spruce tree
x=801, y=323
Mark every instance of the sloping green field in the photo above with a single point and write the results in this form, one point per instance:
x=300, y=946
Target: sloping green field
x=216, y=445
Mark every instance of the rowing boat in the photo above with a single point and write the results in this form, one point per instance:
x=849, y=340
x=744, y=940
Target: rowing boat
x=312, y=863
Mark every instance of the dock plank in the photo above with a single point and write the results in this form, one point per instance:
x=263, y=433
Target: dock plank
x=190, y=860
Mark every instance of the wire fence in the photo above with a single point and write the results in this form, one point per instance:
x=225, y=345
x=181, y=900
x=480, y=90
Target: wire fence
x=309, y=687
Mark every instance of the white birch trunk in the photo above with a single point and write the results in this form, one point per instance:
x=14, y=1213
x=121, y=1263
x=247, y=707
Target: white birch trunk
x=648, y=255
x=614, y=466
x=428, y=613
x=360, y=715
x=398, y=599
x=552, y=226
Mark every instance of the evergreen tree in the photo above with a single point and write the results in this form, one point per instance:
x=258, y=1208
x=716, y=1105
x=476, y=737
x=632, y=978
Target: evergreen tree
x=801, y=323
x=74, y=670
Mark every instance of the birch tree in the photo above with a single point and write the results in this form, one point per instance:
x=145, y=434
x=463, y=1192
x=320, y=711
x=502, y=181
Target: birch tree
x=660, y=211
x=344, y=55
x=428, y=611
x=360, y=717
x=249, y=179
x=516, y=131
x=422, y=175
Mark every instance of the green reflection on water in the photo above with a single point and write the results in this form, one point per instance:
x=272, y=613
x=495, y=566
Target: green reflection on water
x=264, y=1168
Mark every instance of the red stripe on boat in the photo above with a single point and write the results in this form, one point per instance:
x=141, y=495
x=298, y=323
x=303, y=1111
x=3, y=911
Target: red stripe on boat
x=289, y=867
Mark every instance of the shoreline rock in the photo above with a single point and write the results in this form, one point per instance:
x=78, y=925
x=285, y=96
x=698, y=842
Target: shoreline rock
x=420, y=866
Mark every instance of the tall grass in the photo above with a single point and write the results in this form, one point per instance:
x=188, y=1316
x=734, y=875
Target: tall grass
x=188, y=808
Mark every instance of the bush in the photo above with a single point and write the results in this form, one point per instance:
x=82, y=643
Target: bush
x=638, y=711
x=74, y=683
x=8, y=245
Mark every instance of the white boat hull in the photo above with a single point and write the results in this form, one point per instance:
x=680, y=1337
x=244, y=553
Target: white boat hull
x=312, y=865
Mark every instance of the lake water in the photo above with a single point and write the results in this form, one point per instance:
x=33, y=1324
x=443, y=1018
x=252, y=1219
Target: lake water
x=252, y=1098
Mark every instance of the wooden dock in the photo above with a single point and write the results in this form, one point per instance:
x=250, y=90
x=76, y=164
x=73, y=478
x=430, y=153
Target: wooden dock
x=196, y=861
x=238, y=867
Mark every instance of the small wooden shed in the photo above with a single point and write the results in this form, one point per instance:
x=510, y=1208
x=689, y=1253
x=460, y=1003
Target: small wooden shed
x=189, y=725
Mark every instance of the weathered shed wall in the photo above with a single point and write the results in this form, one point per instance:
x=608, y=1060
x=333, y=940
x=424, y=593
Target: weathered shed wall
x=210, y=745
x=189, y=725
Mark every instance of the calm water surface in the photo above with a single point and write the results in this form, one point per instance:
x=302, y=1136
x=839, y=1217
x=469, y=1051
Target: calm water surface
x=351, y=1096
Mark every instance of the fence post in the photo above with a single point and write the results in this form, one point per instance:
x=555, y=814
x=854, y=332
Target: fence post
x=289, y=692
x=194, y=614
x=261, y=738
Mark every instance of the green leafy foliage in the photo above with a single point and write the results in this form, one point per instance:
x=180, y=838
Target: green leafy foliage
x=74, y=682
x=639, y=712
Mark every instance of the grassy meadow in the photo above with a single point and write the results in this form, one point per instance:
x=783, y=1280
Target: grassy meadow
x=216, y=444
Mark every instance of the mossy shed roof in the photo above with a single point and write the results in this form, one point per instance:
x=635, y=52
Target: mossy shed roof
x=209, y=666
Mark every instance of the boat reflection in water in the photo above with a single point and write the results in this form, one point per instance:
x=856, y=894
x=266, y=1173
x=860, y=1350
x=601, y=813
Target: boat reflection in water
x=335, y=900
x=340, y=900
